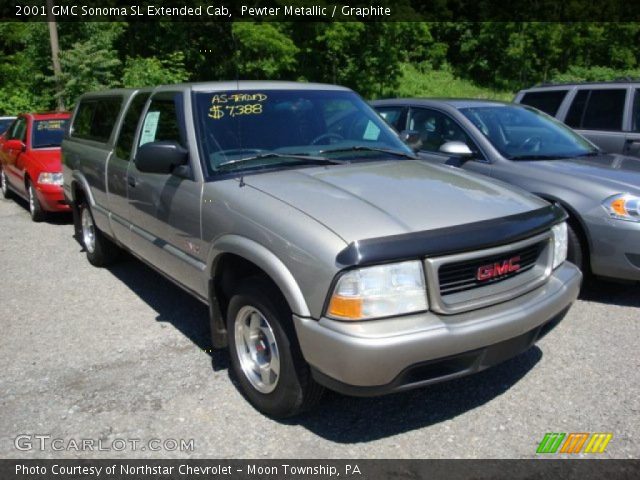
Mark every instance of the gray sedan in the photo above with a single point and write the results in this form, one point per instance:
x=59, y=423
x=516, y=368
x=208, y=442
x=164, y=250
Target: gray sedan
x=527, y=148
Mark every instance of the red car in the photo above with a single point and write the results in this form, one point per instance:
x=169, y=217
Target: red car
x=31, y=164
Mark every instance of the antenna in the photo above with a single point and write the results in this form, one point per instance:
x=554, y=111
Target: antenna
x=236, y=55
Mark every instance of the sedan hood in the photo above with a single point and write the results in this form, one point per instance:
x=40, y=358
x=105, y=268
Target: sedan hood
x=367, y=200
x=618, y=172
x=47, y=160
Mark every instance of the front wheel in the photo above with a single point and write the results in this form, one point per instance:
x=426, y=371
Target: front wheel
x=4, y=185
x=575, y=250
x=264, y=350
x=101, y=251
x=35, y=208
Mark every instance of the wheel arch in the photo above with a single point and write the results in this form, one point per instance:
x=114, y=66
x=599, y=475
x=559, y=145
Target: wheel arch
x=233, y=258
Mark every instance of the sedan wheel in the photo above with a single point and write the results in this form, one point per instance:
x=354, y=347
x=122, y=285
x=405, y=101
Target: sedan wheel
x=4, y=186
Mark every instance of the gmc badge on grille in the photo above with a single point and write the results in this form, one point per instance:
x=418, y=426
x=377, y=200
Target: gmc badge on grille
x=498, y=269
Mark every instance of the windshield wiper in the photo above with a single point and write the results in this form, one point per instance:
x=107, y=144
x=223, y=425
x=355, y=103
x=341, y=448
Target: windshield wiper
x=363, y=148
x=538, y=157
x=295, y=156
x=594, y=153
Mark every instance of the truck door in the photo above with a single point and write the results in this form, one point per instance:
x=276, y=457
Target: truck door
x=118, y=166
x=165, y=209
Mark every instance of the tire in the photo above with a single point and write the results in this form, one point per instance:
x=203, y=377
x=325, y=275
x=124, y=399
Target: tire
x=260, y=329
x=576, y=251
x=4, y=185
x=101, y=251
x=35, y=209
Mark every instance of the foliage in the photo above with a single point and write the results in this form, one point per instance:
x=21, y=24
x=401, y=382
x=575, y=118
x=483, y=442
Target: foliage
x=142, y=72
x=482, y=59
x=427, y=82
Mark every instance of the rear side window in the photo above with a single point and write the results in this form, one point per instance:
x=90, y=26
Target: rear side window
x=600, y=109
x=129, y=126
x=549, y=102
x=96, y=118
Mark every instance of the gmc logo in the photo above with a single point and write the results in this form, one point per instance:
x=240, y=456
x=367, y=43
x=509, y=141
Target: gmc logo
x=498, y=269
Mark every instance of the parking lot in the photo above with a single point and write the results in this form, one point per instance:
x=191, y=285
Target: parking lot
x=121, y=353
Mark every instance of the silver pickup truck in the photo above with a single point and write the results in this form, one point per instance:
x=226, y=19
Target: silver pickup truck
x=328, y=254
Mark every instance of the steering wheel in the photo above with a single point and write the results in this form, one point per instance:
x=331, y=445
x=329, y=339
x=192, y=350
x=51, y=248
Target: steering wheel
x=531, y=144
x=327, y=136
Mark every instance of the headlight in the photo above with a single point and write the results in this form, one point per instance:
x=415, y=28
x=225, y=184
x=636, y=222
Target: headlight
x=380, y=291
x=623, y=207
x=50, y=178
x=560, y=243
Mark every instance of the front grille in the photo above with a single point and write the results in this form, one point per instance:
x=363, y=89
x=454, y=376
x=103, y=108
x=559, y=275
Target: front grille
x=462, y=276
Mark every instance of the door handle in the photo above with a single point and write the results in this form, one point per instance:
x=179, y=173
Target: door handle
x=131, y=181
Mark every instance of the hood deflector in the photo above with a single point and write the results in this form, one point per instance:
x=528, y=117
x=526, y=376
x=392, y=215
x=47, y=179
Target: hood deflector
x=450, y=240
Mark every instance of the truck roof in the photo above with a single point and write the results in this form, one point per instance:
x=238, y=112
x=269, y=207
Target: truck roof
x=226, y=86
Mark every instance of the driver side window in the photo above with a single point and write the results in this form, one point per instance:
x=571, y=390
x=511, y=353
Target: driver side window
x=436, y=129
x=19, y=130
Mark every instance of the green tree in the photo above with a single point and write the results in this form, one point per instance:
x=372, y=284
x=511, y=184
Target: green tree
x=141, y=72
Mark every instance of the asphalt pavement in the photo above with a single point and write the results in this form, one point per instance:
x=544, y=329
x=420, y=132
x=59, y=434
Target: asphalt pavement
x=122, y=356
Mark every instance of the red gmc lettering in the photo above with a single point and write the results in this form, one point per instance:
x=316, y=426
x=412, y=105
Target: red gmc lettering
x=498, y=269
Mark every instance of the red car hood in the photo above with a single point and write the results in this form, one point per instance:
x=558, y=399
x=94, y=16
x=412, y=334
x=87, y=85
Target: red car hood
x=47, y=160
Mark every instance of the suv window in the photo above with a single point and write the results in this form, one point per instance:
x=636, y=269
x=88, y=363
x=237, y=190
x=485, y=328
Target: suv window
x=129, y=126
x=164, y=120
x=436, y=128
x=636, y=111
x=549, y=102
x=597, y=109
x=96, y=118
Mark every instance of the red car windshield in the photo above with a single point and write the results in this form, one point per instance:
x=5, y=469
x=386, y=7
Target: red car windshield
x=48, y=133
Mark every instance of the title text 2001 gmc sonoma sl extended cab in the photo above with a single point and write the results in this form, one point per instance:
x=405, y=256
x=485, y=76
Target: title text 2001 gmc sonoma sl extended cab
x=328, y=254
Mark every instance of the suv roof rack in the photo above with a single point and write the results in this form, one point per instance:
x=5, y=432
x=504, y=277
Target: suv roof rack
x=615, y=81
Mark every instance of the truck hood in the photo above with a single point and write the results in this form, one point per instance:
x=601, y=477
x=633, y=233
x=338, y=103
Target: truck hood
x=367, y=200
x=618, y=172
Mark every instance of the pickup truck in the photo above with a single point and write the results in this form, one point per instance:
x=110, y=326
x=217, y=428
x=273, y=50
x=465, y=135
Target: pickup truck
x=328, y=253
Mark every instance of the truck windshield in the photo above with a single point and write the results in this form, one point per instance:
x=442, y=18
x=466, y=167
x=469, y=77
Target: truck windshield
x=240, y=130
x=48, y=133
x=522, y=133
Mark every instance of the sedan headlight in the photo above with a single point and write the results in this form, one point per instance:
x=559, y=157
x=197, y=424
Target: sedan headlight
x=623, y=207
x=50, y=178
x=560, y=243
x=380, y=291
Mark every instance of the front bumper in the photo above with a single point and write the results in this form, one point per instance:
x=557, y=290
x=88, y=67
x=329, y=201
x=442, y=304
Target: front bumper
x=52, y=198
x=615, y=249
x=382, y=356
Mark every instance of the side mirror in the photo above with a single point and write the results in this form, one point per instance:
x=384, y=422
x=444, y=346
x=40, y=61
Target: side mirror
x=456, y=149
x=15, y=144
x=161, y=157
x=412, y=139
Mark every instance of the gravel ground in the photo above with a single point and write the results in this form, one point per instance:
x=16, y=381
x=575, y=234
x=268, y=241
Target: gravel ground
x=121, y=353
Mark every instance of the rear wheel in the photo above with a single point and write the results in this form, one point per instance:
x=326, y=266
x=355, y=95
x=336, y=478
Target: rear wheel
x=265, y=354
x=35, y=209
x=101, y=251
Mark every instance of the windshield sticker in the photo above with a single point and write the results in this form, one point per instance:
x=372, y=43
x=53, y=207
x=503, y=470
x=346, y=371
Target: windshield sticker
x=236, y=104
x=51, y=124
x=372, y=132
x=150, y=127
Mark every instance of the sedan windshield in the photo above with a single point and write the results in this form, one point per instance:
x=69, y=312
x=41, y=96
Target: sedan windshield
x=5, y=123
x=240, y=130
x=523, y=133
x=48, y=133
